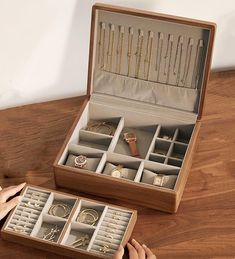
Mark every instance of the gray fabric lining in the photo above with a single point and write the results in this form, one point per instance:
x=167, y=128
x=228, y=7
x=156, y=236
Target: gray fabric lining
x=145, y=91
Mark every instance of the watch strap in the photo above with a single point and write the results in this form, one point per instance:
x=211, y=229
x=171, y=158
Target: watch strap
x=133, y=148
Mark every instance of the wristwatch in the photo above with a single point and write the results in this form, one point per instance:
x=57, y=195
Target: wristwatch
x=158, y=179
x=131, y=139
x=117, y=171
x=80, y=161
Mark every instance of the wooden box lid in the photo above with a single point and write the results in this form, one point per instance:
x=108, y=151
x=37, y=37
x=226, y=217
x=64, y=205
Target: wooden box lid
x=154, y=58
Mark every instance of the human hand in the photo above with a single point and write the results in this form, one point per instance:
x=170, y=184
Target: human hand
x=5, y=194
x=136, y=251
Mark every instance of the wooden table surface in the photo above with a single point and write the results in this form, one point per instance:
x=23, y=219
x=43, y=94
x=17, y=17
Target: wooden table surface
x=204, y=226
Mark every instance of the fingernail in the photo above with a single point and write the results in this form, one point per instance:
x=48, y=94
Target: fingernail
x=144, y=245
x=133, y=240
x=19, y=198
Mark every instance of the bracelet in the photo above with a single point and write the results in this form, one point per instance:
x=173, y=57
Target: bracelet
x=54, y=210
x=88, y=216
x=104, y=127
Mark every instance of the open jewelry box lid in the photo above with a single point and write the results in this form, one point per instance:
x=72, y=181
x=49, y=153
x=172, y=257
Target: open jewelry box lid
x=156, y=59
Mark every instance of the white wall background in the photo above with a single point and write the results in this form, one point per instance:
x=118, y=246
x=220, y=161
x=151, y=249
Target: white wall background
x=44, y=43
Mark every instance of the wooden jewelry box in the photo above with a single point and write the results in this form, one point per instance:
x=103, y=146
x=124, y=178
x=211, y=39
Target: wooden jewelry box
x=68, y=225
x=137, y=130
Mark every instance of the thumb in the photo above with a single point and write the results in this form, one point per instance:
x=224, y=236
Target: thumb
x=119, y=253
x=6, y=207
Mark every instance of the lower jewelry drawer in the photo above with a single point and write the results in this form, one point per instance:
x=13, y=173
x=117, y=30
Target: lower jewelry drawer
x=68, y=225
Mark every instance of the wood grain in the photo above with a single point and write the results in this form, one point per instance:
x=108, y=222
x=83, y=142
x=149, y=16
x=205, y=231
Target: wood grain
x=204, y=226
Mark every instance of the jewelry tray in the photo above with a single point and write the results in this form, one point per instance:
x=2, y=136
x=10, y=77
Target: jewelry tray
x=31, y=223
x=156, y=89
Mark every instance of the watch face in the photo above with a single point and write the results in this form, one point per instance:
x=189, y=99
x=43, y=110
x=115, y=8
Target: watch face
x=129, y=136
x=116, y=173
x=80, y=160
x=158, y=180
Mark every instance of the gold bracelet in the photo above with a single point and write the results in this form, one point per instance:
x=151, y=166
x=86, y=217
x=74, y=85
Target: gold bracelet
x=97, y=126
x=66, y=210
x=85, y=215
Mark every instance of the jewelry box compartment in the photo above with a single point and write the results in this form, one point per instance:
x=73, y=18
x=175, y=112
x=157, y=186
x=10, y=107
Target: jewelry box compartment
x=68, y=225
x=153, y=171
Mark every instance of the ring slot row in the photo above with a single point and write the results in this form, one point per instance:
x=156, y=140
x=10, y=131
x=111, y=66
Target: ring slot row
x=28, y=211
x=111, y=231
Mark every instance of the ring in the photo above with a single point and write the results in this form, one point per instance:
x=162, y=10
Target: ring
x=80, y=161
x=105, y=249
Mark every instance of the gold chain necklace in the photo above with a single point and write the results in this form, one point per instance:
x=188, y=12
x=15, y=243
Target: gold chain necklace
x=101, y=46
x=180, y=62
x=148, y=55
x=139, y=52
x=179, y=43
x=159, y=53
x=187, y=61
x=119, y=49
x=198, y=63
x=129, y=53
x=110, y=47
x=171, y=38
